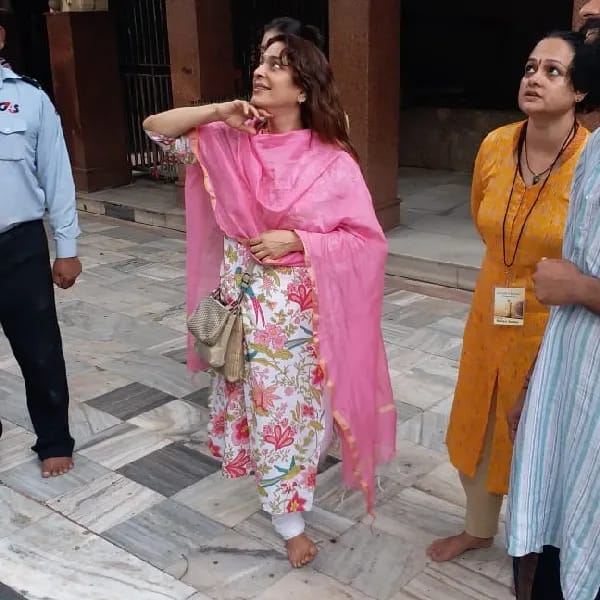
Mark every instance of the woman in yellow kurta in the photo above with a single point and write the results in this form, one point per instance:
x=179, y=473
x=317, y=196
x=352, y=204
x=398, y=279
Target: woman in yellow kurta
x=520, y=195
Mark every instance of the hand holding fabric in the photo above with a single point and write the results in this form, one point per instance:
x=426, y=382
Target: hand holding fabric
x=275, y=244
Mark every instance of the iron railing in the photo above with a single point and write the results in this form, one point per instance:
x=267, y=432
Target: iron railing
x=146, y=76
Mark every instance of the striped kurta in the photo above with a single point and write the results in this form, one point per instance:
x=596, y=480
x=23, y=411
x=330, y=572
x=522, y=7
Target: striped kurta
x=555, y=483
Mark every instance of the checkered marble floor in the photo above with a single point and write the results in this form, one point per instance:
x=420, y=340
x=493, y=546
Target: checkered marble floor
x=147, y=515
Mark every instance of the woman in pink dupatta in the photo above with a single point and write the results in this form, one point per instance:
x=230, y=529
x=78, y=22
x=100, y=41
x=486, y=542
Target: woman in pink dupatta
x=275, y=184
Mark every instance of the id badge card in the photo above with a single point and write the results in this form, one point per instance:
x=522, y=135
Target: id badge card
x=509, y=306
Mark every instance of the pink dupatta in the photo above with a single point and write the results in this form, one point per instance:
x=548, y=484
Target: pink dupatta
x=244, y=185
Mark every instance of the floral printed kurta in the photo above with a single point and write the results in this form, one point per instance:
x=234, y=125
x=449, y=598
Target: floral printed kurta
x=272, y=423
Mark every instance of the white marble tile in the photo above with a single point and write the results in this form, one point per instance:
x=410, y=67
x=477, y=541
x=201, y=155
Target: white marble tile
x=435, y=426
x=416, y=515
x=15, y=448
x=91, y=322
x=17, y=512
x=494, y=563
x=371, y=561
x=404, y=298
x=105, y=502
x=27, y=478
x=322, y=526
x=87, y=422
x=410, y=430
x=308, y=584
x=178, y=420
x=231, y=567
x=332, y=495
x=177, y=321
x=169, y=346
x=161, y=272
x=93, y=257
x=401, y=358
x=435, y=342
x=98, y=241
x=443, y=482
x=93, y=383
x=412, y=463
x=448, y=581
x=77, y=564
x=227, y=501
x=427, y=383
x=128, y=444
x=451, y=325
x=159, y=372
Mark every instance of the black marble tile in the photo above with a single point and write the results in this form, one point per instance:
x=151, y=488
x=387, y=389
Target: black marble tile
x=180, y=355
x=165, y=533
x=116, y=211
x=7, y=593
x=329, y=462
x=130, y=401
x=199, y=397
x=171, y=469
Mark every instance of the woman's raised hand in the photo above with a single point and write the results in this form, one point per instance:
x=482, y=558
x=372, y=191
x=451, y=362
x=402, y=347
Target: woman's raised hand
x=237, y=113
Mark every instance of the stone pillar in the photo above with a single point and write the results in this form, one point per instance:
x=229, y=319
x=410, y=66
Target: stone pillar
x=364, y=49
x=201, y=54
x=87, y=92
x=577, y=6
x=591, y=121
x=201, y=50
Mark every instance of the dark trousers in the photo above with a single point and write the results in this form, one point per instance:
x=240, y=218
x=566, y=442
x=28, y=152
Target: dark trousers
x=28, y=318
x=543, y=581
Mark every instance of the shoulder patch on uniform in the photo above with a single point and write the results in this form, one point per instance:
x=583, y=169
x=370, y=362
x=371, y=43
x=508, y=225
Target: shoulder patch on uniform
x=31, y=81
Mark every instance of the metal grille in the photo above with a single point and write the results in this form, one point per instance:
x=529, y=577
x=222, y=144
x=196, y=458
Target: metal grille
x=249, y=18
x=146, y=76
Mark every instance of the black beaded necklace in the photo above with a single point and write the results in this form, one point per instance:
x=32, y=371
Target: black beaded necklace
x=572, y=133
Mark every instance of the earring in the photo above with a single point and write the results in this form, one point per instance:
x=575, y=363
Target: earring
x=301, y=99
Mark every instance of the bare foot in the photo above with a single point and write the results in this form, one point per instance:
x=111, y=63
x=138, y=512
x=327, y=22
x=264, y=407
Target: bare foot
x=451, y=547
x=53, y=467
x=301, y=550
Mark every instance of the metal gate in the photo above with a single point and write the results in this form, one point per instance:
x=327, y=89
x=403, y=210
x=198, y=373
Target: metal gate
x=249, y=18
x=146, y=75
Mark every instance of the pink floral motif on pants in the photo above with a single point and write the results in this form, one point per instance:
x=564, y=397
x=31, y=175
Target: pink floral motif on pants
x=273, y=422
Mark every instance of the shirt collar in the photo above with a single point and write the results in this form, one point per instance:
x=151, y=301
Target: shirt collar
x=7, y=73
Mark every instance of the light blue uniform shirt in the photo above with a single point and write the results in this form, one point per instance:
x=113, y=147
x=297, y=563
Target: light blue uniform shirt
x=35, y=172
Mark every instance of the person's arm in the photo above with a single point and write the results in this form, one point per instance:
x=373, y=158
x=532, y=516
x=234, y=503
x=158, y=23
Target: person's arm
x=178, y=121
x=587, y=293
x=559, y=282
x=514, y=414
x=56, y=180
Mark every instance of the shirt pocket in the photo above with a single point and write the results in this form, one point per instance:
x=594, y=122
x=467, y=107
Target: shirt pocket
x=12, y=138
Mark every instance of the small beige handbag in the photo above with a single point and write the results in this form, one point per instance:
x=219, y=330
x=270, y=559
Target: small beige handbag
x=219, y=332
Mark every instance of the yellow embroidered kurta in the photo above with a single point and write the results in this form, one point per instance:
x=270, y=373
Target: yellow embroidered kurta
x=495, y=354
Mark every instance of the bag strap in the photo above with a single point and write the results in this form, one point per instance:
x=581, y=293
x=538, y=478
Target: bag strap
x=246, y=280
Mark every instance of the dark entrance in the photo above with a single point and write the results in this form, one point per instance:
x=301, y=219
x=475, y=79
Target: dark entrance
x=249, y=18
x=146, y=75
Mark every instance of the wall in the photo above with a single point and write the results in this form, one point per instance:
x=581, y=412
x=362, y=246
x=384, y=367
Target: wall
x=441, y=138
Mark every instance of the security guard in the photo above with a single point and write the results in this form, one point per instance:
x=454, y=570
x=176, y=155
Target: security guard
x=35, y=179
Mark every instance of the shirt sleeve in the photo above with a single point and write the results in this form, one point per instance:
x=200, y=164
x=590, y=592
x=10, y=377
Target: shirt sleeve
x=179, y=149
x=56, y=180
